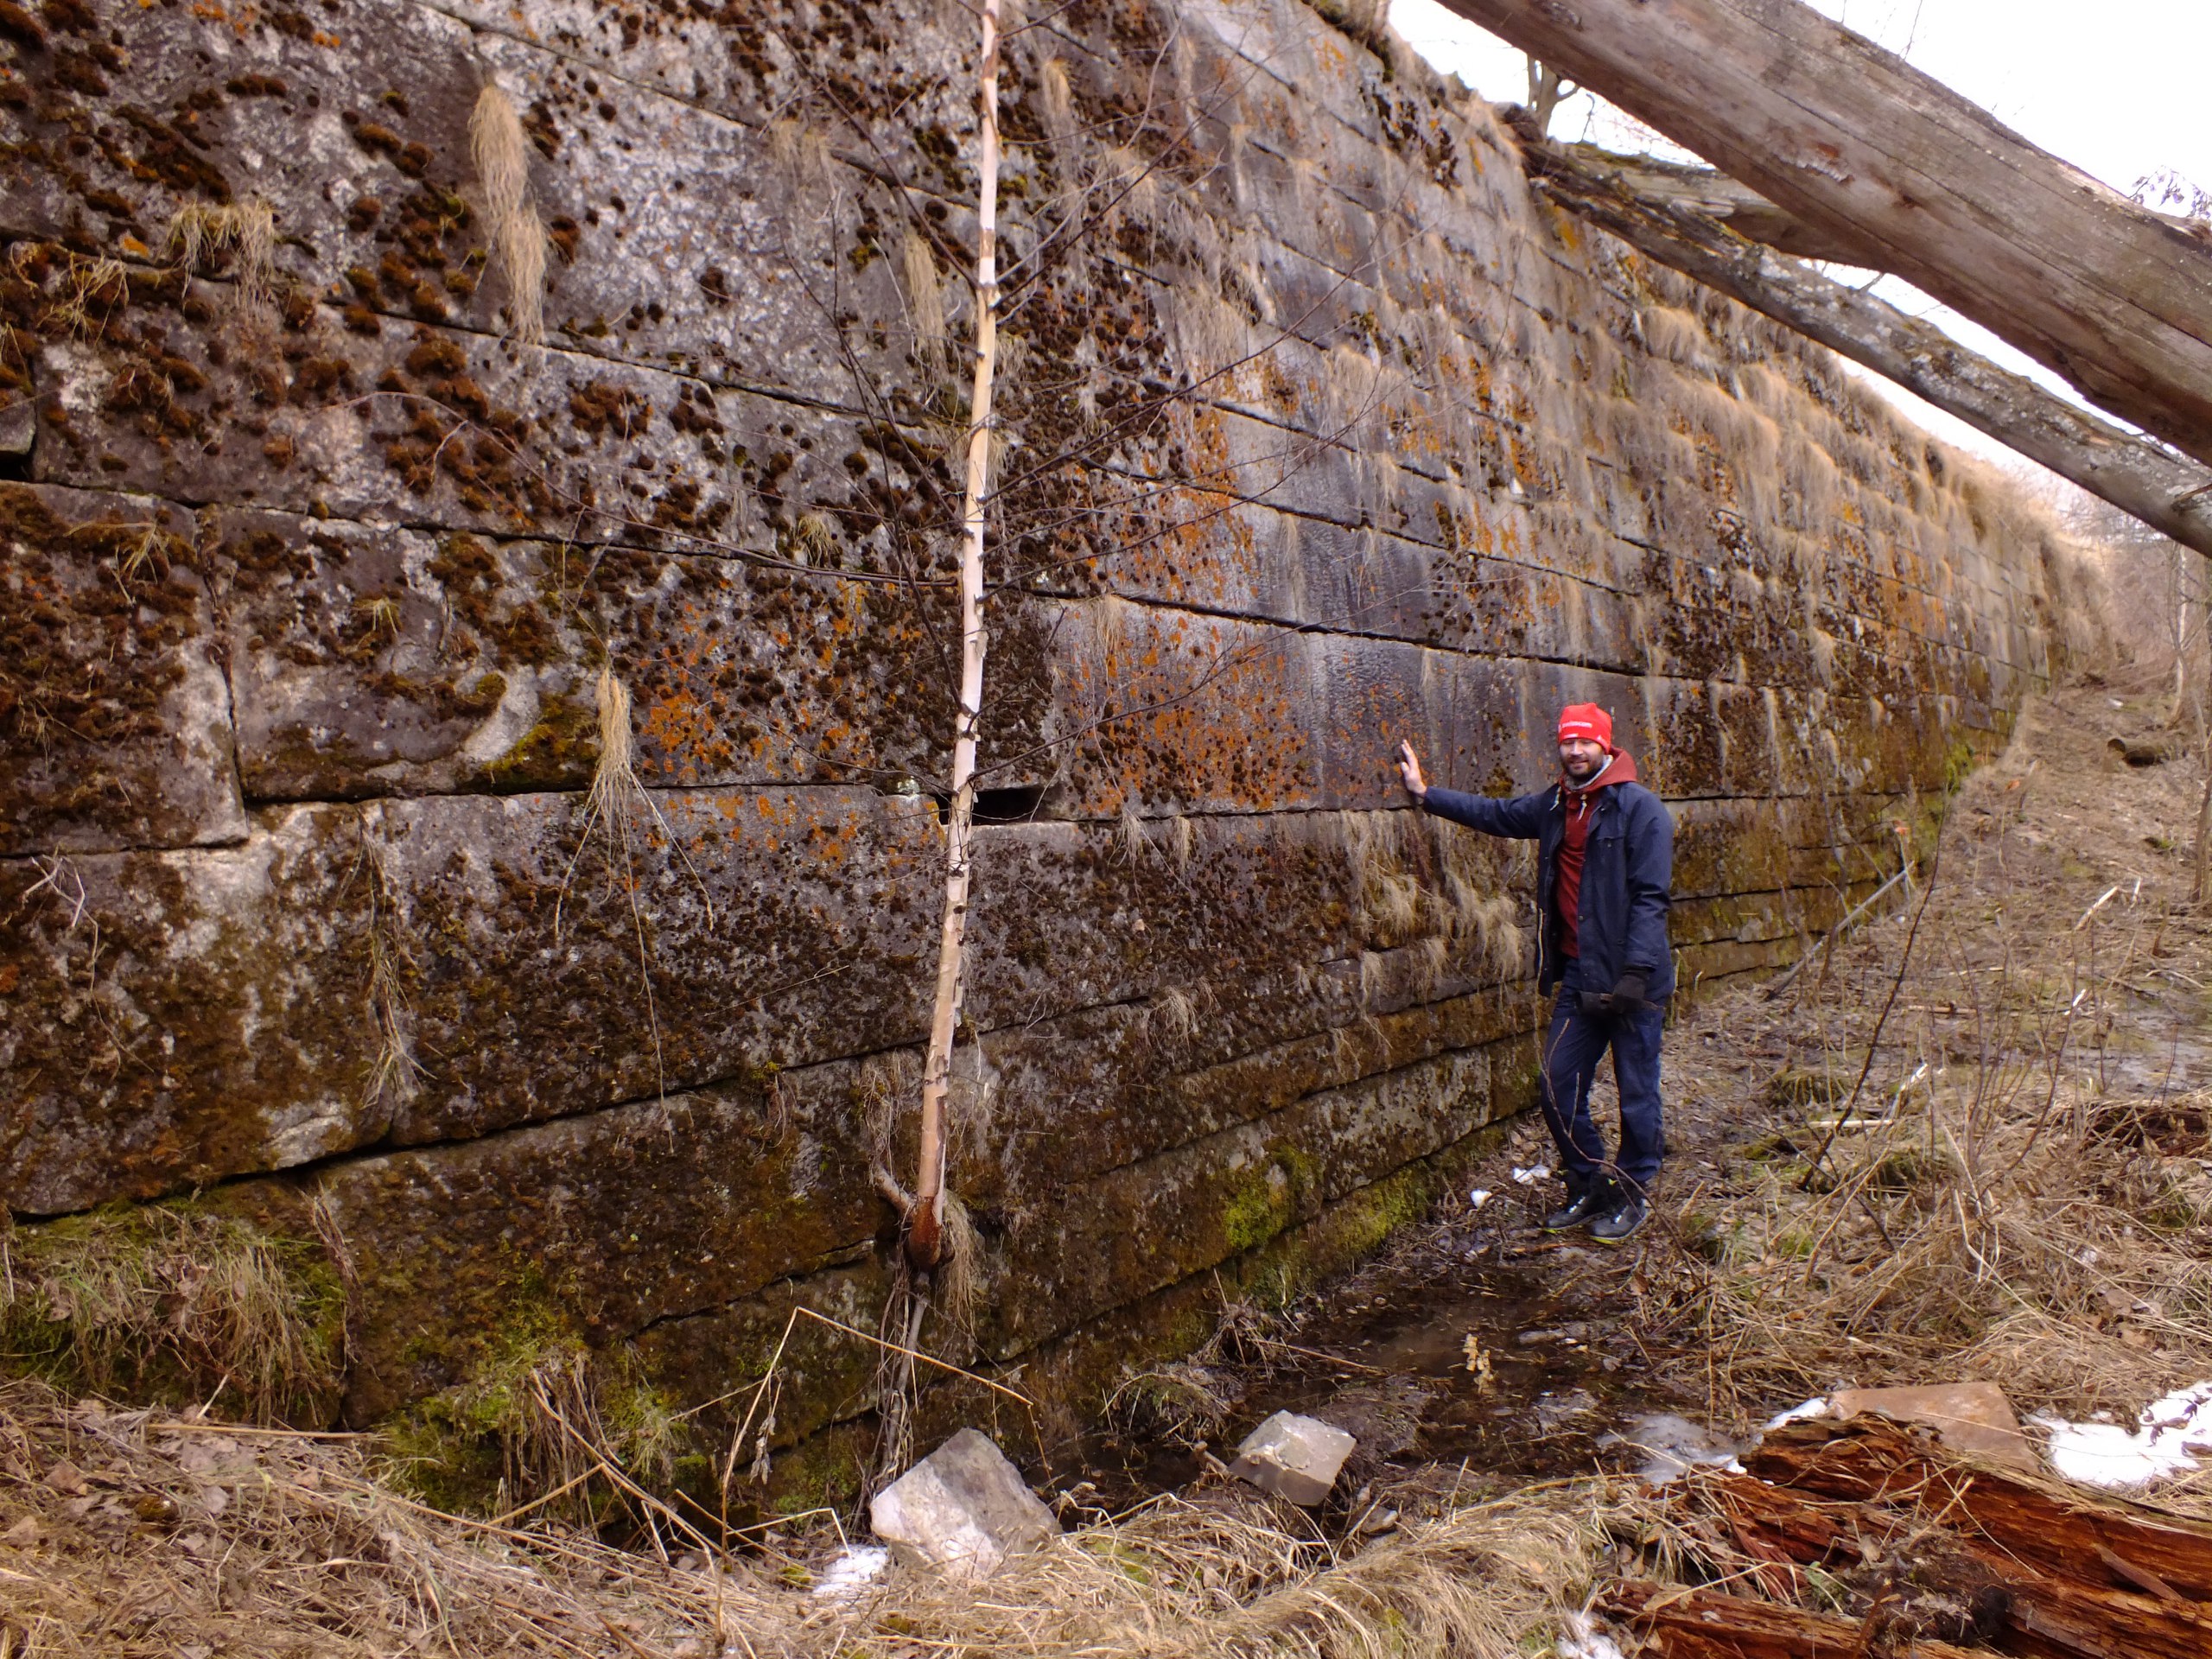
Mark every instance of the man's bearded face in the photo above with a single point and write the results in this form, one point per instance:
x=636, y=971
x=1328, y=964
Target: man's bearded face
x=1580, y=757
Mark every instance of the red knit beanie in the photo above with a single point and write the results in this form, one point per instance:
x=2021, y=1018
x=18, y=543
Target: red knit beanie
x=1586, y=720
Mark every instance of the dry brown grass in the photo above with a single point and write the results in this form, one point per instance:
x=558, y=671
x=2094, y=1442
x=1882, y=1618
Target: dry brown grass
x=2015, y=1193
x=500, y=152
x=132, y=1534
x=172, y=1301
x=925, y=300
x=246, y=230
x=1421, y=884
x=623, y=820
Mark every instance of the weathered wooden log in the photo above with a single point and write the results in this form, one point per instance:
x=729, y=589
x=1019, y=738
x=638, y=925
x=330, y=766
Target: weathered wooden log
x=2171, y=493
x=2058, y=1531
x=1852, y=139
x=1680, y=1624
x=1712, y=192
x=1708, y=193
x=1933, y=1566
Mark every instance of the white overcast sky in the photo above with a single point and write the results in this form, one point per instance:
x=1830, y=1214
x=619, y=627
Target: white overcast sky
x=2119, y=89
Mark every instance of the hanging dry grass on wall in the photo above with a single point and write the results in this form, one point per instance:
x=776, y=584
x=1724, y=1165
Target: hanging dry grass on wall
x=500, y=154
x=1440, y=899
x=917, y=274
x=396, y=1071
x=622, y=816
x=1056, y=99
x=245, y=229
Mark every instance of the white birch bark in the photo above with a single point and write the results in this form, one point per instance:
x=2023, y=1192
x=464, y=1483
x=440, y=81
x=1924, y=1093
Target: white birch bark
x=926, y=1239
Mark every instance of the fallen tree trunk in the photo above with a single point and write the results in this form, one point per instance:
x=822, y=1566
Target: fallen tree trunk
x=2171, y=493
x=1854, y=140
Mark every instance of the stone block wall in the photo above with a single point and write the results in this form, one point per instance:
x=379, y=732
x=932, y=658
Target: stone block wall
x=1318, y=433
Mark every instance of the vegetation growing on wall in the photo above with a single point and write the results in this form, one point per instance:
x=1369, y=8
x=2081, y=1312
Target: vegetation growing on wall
x=178, y=1303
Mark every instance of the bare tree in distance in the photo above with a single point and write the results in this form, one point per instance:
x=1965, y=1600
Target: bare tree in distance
x=1547, y=89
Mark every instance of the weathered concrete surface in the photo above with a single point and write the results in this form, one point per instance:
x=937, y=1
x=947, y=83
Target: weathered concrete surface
x=1318, y=434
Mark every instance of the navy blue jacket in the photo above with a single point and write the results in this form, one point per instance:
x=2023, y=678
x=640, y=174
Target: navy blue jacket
x=1627, y=866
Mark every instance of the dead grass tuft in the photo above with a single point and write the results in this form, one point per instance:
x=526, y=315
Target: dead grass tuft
x=1180, y=1578
x=1058, y=97
x=925, y=300
x=246, y=230
x=500, y=153
x=617, y=812
x=88, y=295
x=172, y=1302
x=1433, y=893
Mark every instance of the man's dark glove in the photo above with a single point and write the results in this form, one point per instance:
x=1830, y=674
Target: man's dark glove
x=1626, y=996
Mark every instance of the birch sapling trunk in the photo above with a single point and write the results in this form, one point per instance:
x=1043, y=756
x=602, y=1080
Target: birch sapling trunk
x=925, y=1236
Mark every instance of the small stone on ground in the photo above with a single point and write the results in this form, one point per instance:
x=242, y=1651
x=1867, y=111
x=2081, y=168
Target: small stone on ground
x=1293, y=1456
x=964, y=1510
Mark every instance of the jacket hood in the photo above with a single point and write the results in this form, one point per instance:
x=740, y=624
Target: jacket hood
x=1619, y=768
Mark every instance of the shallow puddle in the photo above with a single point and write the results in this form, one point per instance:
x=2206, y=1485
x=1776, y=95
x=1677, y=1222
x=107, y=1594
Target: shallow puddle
x=1508, y=1359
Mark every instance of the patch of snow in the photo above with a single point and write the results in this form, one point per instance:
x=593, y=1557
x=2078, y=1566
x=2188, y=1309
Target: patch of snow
x=1816, y=1406
x=856, y=1568
x=2104, y=1455
x=1583, y=1640
x=1530, y=1177
x=1478, y=1198
x=1671, y=1446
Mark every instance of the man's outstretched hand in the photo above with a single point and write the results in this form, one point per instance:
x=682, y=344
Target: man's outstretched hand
x=1409, y=772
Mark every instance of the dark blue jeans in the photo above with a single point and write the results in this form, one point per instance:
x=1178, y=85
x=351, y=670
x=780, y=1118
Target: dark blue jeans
x=1573, y=1047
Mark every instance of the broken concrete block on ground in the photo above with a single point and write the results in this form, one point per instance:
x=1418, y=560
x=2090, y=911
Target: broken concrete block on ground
x=964, y=1510
x=1974, y=1419
x=1293, y=1456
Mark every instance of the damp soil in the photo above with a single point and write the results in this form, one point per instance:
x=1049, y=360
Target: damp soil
x=1484, y=1353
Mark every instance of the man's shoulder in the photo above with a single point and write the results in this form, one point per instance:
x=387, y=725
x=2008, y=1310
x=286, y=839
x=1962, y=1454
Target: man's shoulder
x=1638, y=801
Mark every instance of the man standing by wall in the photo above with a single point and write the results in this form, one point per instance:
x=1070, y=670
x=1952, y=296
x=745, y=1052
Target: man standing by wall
x=1605, y=850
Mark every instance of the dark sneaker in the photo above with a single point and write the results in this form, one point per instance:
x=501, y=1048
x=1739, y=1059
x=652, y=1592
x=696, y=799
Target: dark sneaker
x=1613, y=1227
x=1580, y=1213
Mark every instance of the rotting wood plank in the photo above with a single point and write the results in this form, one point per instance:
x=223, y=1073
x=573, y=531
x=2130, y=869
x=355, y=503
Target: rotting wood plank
x=2170, y=493
x=1853, y=140
x=1683, y=1623
x=1926, y=1546
x=2047, y=1527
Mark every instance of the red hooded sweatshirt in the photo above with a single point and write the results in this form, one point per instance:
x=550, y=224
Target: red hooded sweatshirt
x=1566, y=880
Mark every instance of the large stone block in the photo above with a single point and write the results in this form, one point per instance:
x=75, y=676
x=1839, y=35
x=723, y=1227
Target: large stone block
x=173, y=1018
x=770, y=928
x=115, y=728
x=376, y=659
x=609, y=1224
